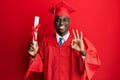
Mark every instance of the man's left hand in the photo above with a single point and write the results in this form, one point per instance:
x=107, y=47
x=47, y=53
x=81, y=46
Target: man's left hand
x=77, y=41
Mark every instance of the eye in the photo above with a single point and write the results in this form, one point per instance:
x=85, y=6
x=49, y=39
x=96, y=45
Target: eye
x=66, y=19
x=57, y=19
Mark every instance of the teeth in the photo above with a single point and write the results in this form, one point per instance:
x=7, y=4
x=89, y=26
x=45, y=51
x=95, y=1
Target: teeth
x=62, y=27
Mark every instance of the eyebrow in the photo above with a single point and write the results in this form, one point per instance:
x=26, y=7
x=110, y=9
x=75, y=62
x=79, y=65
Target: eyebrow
x=63, y=18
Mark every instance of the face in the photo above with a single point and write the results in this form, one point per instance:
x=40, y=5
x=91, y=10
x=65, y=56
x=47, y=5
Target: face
x=62, y=24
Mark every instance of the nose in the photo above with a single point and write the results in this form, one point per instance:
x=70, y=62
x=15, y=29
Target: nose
x=61, y=22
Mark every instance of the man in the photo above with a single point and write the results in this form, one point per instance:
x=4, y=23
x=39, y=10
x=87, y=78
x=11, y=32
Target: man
x=64, y=56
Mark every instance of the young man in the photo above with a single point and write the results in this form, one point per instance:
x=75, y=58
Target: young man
x=64, y=55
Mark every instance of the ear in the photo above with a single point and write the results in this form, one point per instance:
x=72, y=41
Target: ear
x=54, y=23
x=69, y=22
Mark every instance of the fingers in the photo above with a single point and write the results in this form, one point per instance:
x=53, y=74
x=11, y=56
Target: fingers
x=31, y=46
x=72, y=43
x=81, y=35
x=76, y=34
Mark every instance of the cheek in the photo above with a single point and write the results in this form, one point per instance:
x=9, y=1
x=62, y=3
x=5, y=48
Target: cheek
x=67, y=24
x=57, y=23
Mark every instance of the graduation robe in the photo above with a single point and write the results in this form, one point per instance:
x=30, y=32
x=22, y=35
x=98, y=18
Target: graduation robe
x=63, y=62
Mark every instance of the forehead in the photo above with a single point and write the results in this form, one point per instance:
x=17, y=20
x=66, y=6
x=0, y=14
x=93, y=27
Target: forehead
x=61, y=17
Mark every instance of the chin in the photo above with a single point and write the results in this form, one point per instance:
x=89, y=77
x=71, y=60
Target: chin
x=61, y=31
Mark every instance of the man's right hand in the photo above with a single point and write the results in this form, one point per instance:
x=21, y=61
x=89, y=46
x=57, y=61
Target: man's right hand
x=32, y=50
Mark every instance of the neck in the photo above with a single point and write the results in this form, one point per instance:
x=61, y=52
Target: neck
x=63, y=34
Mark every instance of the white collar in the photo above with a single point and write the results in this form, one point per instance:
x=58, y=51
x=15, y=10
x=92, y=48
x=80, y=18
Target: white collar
x=65, y=37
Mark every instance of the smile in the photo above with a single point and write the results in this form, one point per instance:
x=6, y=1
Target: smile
x=62, y=27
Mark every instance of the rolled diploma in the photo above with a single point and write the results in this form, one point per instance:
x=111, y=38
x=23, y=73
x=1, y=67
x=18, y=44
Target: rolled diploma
x=36, y=22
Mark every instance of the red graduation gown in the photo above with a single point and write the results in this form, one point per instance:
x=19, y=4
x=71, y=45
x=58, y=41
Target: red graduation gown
x=62, y=62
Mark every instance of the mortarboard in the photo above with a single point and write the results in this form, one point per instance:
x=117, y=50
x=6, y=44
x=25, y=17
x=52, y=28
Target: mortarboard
x=62, y=9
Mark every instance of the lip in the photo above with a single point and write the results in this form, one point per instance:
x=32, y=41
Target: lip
x=62, y=27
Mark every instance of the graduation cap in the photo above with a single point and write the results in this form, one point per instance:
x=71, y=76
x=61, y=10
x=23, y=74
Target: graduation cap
x=62, y=9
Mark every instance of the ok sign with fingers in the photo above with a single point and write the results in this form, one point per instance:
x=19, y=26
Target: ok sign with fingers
x=77, y=42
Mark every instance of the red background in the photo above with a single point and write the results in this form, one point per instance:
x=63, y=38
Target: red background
x=98, y=19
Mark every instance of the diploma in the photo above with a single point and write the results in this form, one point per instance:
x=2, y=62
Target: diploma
x=36, y=22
